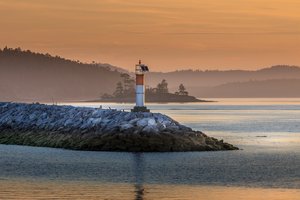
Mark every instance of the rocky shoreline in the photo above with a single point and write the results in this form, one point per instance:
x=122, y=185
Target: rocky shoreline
x=82, y=128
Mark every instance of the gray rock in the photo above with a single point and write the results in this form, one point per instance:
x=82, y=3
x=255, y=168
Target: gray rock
x=98, y=129
x=150, y=129
x=142, y=122
x=126, y=127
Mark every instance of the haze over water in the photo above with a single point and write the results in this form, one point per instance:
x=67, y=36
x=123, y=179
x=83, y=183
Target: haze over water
x=267, y=167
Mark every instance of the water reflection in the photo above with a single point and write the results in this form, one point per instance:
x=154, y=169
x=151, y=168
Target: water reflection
x=36, y=190
x=138, y=167
x=267, y=168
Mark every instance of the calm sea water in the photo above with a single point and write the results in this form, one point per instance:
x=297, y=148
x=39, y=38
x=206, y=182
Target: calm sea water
x=267, y=131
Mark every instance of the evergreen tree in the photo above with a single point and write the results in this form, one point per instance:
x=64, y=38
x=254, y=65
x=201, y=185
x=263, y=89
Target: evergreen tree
x=119, y=90
x=162, y=87
x=182, y=90
x=128, y=83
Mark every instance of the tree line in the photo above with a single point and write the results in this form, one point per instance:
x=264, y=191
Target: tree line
x=126, y=88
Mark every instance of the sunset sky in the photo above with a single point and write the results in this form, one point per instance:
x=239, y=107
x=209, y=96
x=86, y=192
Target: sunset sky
x=166, y=34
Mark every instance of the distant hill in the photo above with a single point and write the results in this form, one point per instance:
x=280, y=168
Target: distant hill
x=276, y=88
x=113, y=68
x=28, y=76
x=194, y=80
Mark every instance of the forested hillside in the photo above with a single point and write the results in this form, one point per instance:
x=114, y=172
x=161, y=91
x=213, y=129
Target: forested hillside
x=29, y=76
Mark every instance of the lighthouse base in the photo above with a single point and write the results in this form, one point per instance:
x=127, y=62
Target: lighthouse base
x=140, y=109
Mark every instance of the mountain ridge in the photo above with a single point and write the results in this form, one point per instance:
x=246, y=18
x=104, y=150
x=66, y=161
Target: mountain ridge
x=28, y=76
x=209, y=78
x=274, y=88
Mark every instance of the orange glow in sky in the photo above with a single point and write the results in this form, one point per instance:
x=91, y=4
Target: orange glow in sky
x=165, y=34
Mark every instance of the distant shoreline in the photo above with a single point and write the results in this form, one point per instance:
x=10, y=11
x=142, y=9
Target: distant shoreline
x=153, y=98
x=159, y=102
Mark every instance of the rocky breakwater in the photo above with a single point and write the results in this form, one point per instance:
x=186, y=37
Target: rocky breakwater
x=99, y=129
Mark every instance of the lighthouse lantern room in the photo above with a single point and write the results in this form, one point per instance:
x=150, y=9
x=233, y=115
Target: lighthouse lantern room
x=140, y=70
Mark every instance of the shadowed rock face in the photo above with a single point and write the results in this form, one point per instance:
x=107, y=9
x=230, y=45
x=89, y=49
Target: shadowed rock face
x=99, y=129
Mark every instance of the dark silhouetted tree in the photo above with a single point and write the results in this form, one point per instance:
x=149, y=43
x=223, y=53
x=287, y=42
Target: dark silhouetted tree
x=162, y=87
x=119, y=90
x=182, y=90
x=128, y=83
x=150, y=90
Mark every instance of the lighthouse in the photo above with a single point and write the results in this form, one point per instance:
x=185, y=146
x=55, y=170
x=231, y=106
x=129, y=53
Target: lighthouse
x=140, y=70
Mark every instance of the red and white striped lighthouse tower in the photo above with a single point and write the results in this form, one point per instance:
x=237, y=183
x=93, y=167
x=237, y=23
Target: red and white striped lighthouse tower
x=140, y=70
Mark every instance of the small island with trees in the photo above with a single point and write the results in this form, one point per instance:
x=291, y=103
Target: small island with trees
x=125, y=93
